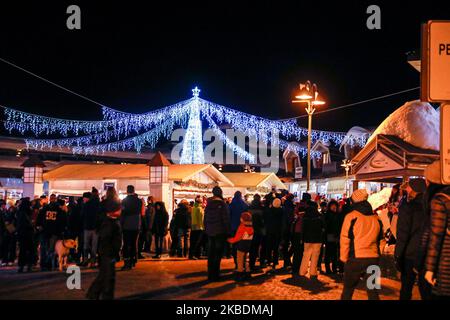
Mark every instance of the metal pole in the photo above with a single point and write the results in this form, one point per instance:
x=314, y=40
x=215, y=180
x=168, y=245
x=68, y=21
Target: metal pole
x=310, y=113
x=346, y=182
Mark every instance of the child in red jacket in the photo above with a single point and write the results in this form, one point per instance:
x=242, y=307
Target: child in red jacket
x=243, y=240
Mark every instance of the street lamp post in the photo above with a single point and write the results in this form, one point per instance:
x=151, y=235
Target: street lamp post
x=347, y=164
x=310, y=95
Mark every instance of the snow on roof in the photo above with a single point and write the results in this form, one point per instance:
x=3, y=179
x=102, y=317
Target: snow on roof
x=254, y=179
x=415, y=122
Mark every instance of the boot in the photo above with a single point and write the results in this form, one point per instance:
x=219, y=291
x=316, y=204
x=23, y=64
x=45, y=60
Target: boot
x=126, y=265
x=328, y=269
x=239, y=276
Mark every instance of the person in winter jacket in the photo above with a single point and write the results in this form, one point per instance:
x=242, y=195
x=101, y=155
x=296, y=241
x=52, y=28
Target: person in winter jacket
x=145, y=234
x=130, y=219
x=52, y=220
x=150, y=219
x=75, y=227
x=360, y=243
x=109, y=243
x=25, y=233
x=297, y=239
x=197, y=229
x=2, y=225
x=313, y=230
x=274, y=224
x=437, y=261
x=159, y=228
x=411, y=217
x=286, y=235
x=91, y=214
x=217, y=228
x=257, y=249
x=332, y=231
x=243, y=239
x=9, y=236
x=237, y=207
x=182, y=225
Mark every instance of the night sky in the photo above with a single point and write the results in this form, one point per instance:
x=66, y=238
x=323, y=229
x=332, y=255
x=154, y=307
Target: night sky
x=251, y=57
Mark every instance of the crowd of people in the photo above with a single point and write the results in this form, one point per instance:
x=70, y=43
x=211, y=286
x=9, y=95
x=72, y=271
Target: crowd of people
x=272, y=231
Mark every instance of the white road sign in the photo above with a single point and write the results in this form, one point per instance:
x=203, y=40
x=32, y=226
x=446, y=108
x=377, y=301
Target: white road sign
x=436, y=61
x=445, y=143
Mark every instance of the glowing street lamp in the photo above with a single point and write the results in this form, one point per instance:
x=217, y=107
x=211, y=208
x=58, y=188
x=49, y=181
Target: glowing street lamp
x=310, y=95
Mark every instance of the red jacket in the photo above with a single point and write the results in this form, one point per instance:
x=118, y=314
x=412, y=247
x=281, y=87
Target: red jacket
x=243, y=233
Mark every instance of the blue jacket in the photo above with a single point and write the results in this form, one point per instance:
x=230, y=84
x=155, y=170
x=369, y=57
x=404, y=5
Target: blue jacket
x=237, y=206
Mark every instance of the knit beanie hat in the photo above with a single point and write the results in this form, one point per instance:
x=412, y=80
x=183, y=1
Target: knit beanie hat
x=276, y=203
x=433, y=172
x=418, y=185
x=360, y=195
x=246, y=217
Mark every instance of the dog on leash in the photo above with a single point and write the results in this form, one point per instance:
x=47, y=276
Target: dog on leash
x=62, y=250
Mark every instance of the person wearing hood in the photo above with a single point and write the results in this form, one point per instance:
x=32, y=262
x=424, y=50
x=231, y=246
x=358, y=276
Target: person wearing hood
x=237, y=207
x=243, y=239
x=217, y=228
x=437, y=260
x=360, y=244
x=197, y=229
x=160, y=227
x=332, y=231
x=411, y=217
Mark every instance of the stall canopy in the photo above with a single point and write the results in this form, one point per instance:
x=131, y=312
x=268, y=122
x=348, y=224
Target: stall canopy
x=387, y=158
x=182, y=172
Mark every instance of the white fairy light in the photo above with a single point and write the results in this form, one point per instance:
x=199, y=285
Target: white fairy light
x=129, y=130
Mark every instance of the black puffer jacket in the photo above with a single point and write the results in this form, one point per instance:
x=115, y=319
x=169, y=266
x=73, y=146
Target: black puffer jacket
x=438, y=254
x=313, y=226
x=217, y=217
x=182, y=217
x=274, y=220
x=257, y=211
x=411, y=218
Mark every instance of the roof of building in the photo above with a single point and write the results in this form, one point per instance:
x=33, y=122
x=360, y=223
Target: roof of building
x=93, y=171
x=254, y=179
x=33, y=161
x=159, y=160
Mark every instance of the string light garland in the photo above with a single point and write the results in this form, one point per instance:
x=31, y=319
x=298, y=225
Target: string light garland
x=124, y=131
